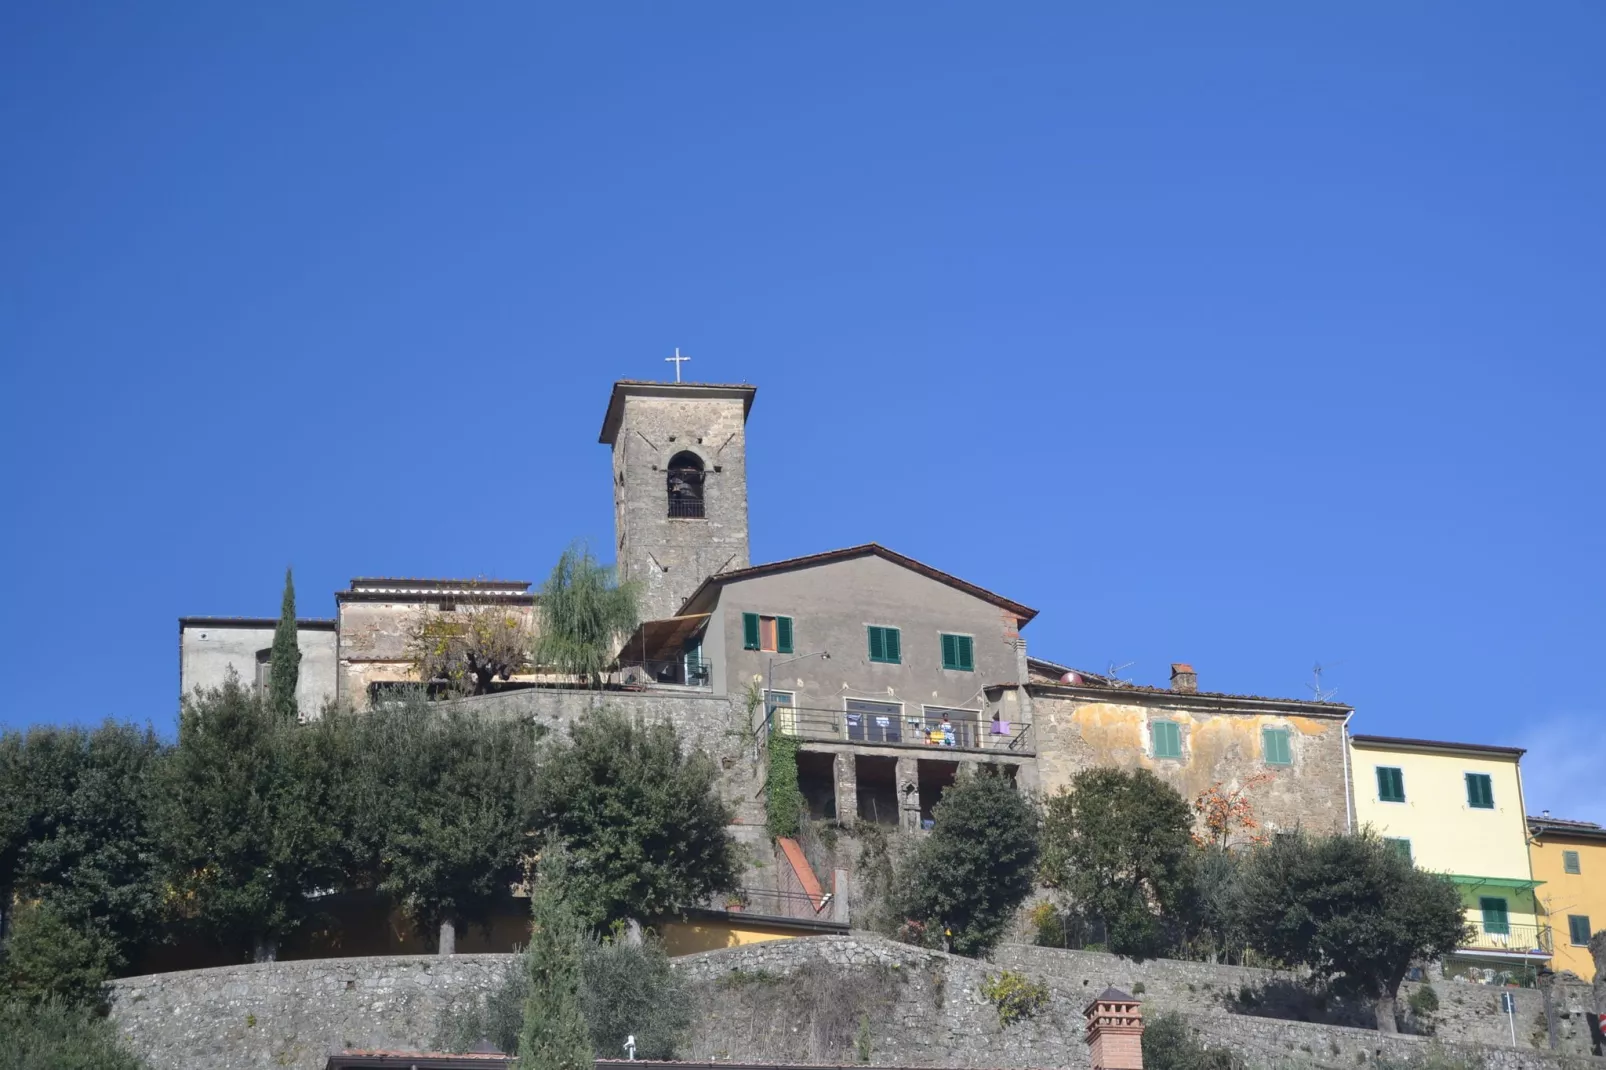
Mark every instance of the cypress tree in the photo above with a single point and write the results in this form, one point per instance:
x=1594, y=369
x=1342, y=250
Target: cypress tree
x=284, y=665
x=555, y=1036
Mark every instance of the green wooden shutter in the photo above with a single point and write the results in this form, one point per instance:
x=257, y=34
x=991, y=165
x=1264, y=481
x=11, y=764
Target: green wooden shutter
x=1274, y=744
x=1400, y=847
x=894, y=645
x=1390, y=784
x=1569, y=862
x=1495, y=919
x=967, y=654
x=878, y=647
x=1480, y=791
x=783, y=635
x=749, y=631
x=1578, y=929
x=1167, y=739
x=950, y=657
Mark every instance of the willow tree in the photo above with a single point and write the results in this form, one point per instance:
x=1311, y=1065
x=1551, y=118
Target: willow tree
x=585, y=614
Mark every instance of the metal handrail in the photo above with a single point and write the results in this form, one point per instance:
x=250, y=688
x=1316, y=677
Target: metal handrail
x=1514, y=936
x=913, y=730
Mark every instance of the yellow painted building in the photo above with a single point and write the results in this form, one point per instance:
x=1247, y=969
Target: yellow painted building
x=1570, y=858
x=1457, y=809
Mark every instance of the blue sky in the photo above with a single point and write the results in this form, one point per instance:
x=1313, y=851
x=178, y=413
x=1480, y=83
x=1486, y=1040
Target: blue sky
x=1249, y=335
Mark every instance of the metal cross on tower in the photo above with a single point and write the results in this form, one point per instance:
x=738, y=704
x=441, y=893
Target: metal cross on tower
x=678, y=360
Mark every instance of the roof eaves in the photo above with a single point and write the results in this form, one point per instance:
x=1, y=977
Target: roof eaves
x=1408, y=743
x=1305, y=707
x=1025, y=613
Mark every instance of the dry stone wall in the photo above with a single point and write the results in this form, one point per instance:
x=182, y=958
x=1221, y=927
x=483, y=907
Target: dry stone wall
x=827, y=999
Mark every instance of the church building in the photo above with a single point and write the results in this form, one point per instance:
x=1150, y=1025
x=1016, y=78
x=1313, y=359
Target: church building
x=895, y=677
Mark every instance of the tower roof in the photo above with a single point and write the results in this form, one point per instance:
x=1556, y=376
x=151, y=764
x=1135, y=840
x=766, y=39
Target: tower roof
x=641, y=388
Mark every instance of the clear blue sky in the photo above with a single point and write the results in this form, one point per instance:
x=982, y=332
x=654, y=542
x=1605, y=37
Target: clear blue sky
x=1249, y=335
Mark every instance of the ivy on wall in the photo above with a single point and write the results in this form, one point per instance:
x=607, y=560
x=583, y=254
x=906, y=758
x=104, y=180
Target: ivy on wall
x=783, y=799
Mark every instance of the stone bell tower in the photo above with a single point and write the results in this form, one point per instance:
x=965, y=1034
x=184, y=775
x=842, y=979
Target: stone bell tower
x=679, y=485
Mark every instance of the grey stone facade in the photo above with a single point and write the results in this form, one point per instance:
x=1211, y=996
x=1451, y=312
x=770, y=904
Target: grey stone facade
x=648, y=425
x=807, y=1000
x=212, y=647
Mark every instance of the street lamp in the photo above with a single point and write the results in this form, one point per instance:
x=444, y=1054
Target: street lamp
x=769, y=684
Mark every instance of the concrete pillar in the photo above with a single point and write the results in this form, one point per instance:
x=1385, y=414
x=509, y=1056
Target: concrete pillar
x=847, y=789
x=1115, y=1031
x=908, y=778
x=839, y=896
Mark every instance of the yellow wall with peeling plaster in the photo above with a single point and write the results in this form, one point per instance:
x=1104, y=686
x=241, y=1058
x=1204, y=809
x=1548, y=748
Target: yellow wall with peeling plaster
x=1220, y=744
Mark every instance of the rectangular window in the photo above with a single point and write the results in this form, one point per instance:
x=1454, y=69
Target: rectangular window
x=1274, y=742
x=1401, y=847
x=1569, y=862
x=874, y=722
x=1167, y=739
x=1390, y=784
x=886, y=644
x=1494, y=915
x=1578, y=930
x=1480, y=791
x=958, y=653
x=770, y=634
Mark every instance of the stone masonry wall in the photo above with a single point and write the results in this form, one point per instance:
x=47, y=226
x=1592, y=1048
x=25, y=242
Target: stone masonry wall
x=823, y=1000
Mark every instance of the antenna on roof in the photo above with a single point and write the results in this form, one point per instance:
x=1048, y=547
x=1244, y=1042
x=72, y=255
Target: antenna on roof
x=1317, y=692
x=1114, y=671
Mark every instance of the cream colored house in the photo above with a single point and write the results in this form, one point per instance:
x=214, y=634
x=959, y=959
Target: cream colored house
x=1457, y=809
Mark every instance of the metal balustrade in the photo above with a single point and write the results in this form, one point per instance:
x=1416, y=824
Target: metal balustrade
x=1512, y=938
x=908, y=729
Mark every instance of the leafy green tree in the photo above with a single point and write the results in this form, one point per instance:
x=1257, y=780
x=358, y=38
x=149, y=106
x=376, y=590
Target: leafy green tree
x=48, y=959
x=284, y=661
x=60, y=1036
x=245, y=821
x=626, y=989
x=554, y=1035
x=1212, y=918
x=91, y=856
x=1118, y=846
x=630, y=989
x=641, y=817
x=445, y=804
x=1352, y=910
x=1169, y=1044
x=585, y=614
x=967, y=878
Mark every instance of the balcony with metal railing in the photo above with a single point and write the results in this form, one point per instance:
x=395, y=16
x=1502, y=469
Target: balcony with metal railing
x=1510, y=938
x=919, y=729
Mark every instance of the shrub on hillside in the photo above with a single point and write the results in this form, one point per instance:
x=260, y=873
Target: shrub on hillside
x=1169, y=1044
x=46, y=959
x=57, y=1036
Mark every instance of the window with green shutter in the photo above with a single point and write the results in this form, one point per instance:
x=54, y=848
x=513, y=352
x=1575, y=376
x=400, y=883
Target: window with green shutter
x=1480, y=791
x=1578, y=930
x=1399, y=846
x=770, y=634
x=1390, y=784
x=1274, y=742
x=958, y=652
x=1495, y=920
x=886, y=644
x=1167, y=739
x=1569, y=862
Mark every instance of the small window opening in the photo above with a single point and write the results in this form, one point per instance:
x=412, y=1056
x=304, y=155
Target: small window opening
x=686, y=486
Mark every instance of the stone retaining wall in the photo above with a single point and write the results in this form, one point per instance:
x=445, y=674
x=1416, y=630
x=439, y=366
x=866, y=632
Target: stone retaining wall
x=823, y=999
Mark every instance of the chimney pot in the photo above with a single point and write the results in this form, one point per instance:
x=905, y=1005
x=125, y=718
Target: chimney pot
x=1184, y=679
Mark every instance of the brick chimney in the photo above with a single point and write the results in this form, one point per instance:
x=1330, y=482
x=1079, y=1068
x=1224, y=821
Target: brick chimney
x=1184, y=679
x=1115, y=1031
